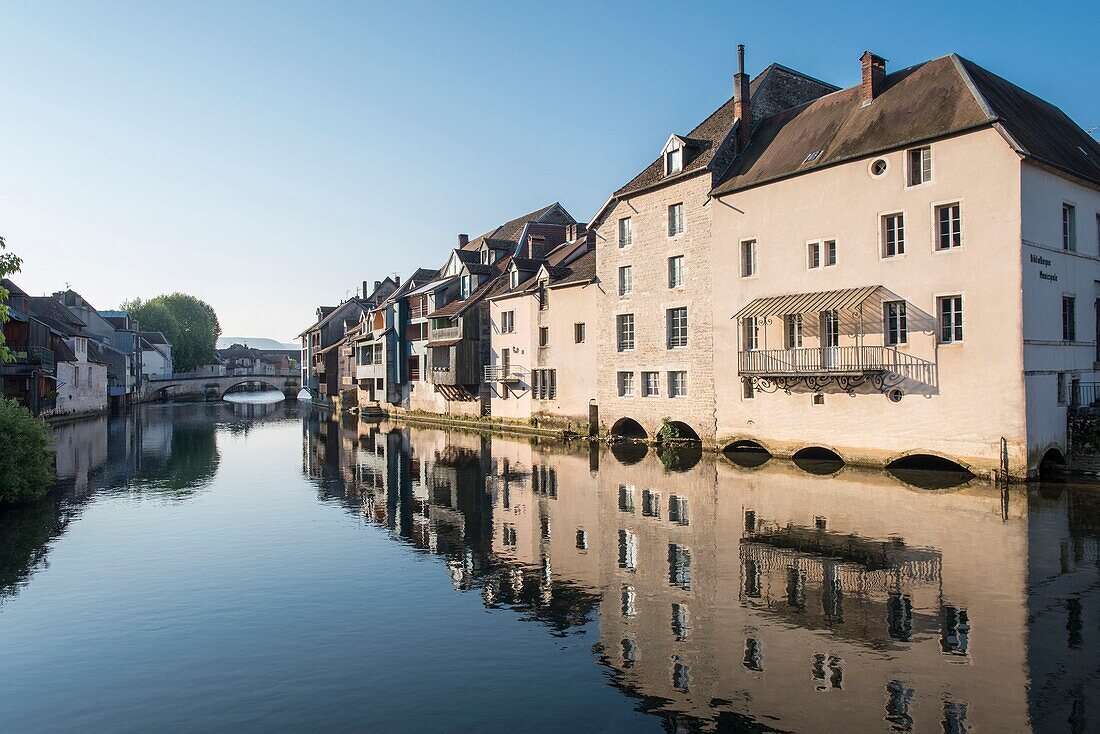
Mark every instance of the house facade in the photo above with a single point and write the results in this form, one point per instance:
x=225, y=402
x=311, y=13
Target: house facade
x=543, y=360
x=655, y=335
x=911, y=267
x=30, y=378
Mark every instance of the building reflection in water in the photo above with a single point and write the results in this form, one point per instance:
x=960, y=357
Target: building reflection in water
x=758, y=595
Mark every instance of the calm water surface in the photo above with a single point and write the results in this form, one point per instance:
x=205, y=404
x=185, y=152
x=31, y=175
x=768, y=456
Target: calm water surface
x=261, y=567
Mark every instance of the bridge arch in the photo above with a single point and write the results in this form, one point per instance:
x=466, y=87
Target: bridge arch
x=629, y=428
x=1052, y=461
x=819, y=460
x=250, y=381
x=747, y=452
x=684, y=432
x=927, y=461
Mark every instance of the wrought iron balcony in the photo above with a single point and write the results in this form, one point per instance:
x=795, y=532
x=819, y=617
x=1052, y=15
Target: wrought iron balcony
x=499, y=373
x=849, y=366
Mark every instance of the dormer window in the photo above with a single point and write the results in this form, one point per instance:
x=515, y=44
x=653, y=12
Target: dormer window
x=674, y=160
x=513, y=281
x=484, y=257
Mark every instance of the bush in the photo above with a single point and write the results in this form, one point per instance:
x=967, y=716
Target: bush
x=26, y=459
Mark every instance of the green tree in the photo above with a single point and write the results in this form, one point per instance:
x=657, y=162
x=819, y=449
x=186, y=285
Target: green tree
x=26, y=461
x=190, y=325
x=9, y=264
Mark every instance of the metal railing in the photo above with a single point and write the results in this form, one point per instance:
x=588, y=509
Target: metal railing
x=33, y=355
x=450, y=332
x=834, y=360
x=1084, y=395
x=499, y=373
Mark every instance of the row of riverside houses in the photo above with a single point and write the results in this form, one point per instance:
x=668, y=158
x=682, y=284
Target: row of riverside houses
x=71, y=360
x=907, y=269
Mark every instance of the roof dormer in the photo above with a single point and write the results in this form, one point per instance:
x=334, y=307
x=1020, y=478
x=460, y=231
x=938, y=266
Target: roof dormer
x=673, y=155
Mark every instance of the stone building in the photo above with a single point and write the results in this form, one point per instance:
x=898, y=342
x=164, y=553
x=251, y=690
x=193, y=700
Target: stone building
x=910, y=266
x=653, y=260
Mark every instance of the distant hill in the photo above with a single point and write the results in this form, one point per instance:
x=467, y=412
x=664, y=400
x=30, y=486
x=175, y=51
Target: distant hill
x=224, y=342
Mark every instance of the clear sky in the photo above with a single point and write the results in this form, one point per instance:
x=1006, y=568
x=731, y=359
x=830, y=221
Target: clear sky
x=268, y=157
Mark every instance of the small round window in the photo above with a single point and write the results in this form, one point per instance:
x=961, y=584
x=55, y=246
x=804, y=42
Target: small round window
x=878, y=167
x=895, y=395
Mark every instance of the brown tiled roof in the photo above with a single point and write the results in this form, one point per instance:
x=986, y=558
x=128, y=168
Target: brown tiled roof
x=507, y=235
x=458, y=306
x=767, y=92
x=582, y=269
x=931, y=100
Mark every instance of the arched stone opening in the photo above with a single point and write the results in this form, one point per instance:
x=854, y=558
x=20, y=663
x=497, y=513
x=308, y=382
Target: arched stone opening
x=927, y=462
x=684, y=432
x=247, y=385
x=1053, y=463
x=818, y=460
x=747, y=453
x=628, y=453
x=628, y=428
x=929, y=471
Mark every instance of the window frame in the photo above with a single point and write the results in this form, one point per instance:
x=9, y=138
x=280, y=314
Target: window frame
x=898, y=232
x=624, y=383
x=750, y=325
x=676, y=153
x=580, y=332
x=958, y=320
x=677, y=220
x=544, y=336
x=674, y=390
x=627, y=224
x=791, y=335
x=620, y=332
x=1069, y=318
x=813, y=255
x=902, y=326
x=647, y=386
x=673, y=338
x=675, y=267
x=925, y=166
x=829, y=249
x=508, y=321
x=1069, y=226
x=748, y=247
x=954, y=235
x=626, y=285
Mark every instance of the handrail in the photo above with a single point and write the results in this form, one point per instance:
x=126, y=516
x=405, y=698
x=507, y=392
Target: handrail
x=834, y=360
x=498, y=373
x=199, y=374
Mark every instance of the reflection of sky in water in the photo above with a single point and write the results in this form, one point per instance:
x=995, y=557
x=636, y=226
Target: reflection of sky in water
x=251, y=565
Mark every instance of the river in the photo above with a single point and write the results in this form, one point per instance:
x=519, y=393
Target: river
x=258, y=567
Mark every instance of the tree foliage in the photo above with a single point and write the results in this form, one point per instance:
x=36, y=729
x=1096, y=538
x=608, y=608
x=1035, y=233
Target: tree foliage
x=190, y=325
x=26, y=460
x=9, y=264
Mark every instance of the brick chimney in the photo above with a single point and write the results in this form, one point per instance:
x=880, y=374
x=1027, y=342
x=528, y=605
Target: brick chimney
x=874, y=72
x=741, y=109
x=365, y=291
x=463, y=240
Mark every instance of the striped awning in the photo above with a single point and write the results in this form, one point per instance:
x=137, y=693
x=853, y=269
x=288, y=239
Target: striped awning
x=793, y=303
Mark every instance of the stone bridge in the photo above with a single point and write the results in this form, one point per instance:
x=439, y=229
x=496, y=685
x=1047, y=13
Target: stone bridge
x=210, y=386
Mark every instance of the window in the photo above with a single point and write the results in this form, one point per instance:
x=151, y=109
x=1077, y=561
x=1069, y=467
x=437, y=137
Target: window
x=1069, y=227
x=678, y=384
x=920, y=166
x=1069, y=318
x=951, y=319
x=626, y=384
x=413, y=368
x=751, y=333
x=830, y=252
x=628, y=550
x=626, y=232
x=629, y=602
x=544, y=384
x=793, y=329
x=748, y=391
x=676, y=271
x=464, y=287
x=544, y=336
x=678, y=510
x=679, y=566
x=507, y=322
x=578, y=333
x=893, y=235
x=651, y=503
x=626, y=498
x=624, y=328
x=674, y=161
x=513, y=279
x=544, y=297
x=948, y=226
x=748, y=258
x=897, y=323
x=813, y=255
x=675, y=220
x=582, y=540
x=677, y=326
x=626, y=280
x=878, y=167
x=651, y=384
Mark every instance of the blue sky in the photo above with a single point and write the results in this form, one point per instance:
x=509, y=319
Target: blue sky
x=268, y=157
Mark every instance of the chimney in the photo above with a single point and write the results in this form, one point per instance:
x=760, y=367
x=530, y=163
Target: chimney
x=463, y=240
x=397, y=280
x=365, y=291
x=377, y=285
x=874, y=72
x=741, y=109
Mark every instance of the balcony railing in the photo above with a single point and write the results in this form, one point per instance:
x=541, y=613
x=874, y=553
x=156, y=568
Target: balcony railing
x=1084, y=395
x=499, y=373
x=33, y=355
x=849, y=360
x=450, y=332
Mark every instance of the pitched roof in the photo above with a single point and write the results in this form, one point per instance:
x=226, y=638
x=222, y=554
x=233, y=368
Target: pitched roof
x=579, y=270
x=460, y=305
x=507, y=235
x=11, y=287
x=154, y=337
x=931, y=100
x=774, y=89
x=53, y=313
